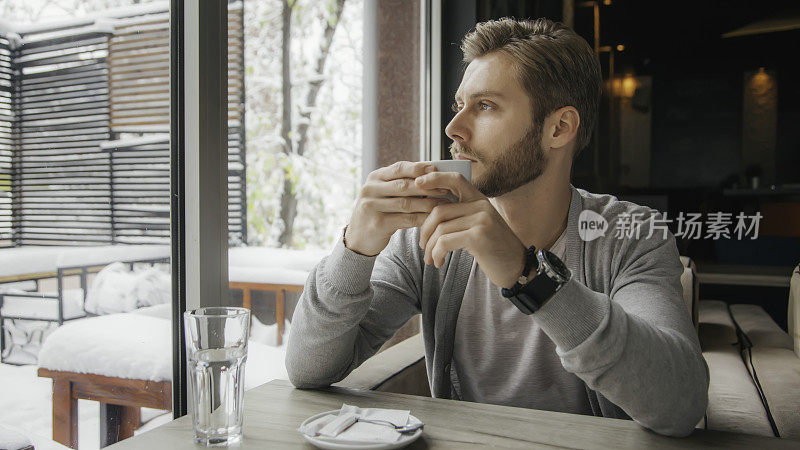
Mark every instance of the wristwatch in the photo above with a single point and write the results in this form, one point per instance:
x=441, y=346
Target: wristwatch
x=533, y=290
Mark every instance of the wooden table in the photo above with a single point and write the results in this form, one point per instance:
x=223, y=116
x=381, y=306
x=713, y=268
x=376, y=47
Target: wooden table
x=274, y=411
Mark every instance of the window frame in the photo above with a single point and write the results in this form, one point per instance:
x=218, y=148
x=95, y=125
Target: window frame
x=199, y=152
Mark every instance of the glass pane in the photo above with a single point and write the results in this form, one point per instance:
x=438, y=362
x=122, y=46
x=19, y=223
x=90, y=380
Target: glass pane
x=85, y=284
x=302, y=115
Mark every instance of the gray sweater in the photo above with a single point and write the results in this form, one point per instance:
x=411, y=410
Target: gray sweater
x=619, y=324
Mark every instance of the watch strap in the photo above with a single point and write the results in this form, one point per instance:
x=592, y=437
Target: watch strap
x=536, y=293
x=531, y=262
x=531, y=296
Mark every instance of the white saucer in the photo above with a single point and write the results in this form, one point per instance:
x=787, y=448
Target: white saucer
x=405, y=438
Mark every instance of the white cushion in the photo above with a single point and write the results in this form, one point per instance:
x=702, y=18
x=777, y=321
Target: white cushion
x=778, y=372
x=759, y=327
x=687, y=284
x=716, y=326
x=733, y=401
x=116, y=289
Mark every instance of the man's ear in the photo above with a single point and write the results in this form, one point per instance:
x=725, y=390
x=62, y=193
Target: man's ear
x=561, y=127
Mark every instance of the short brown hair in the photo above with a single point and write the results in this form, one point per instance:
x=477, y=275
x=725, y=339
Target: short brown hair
x=554, y=65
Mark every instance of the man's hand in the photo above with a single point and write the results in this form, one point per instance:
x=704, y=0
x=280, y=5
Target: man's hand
x=389, y=201
x=473, y=225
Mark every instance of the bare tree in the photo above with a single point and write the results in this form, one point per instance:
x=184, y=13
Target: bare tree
x=298, y=147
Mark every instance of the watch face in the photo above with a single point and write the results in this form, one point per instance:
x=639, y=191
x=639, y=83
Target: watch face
x=556, y=265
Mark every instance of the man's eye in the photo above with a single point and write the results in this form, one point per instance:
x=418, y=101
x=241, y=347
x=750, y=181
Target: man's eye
x=484, y=106
x=455, y=107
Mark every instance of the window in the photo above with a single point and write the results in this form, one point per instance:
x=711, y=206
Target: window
x=84, y=215
x=302, y=122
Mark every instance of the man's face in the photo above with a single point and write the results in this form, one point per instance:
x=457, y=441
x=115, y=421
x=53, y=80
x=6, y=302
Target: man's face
x=494, y=129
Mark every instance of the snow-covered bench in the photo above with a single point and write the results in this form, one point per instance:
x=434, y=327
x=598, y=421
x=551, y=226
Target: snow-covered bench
x=120, y=360
x=250, y=269
x=124, y=361
x=32, y=264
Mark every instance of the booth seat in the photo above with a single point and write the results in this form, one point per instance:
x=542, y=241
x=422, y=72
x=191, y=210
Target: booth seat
x=754, y=365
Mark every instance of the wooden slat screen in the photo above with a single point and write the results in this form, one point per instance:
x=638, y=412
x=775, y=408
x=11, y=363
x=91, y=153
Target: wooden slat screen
x=6, y=142
x=84, y=132
x=140, y=189
x=139, y=101
x=61, y=177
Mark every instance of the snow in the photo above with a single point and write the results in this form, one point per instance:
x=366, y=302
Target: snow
x=106, y=254
x=139, y=346
x=118, y=345
x=112, y=13
x=10, y=439
x=304, y=260
x=267, y=275
x=271, y=265
x=25, y=408
x=32, y=260
x=133, y=142
x=45, y=307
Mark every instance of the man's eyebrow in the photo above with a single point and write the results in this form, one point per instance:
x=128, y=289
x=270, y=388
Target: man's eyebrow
x=485, y=93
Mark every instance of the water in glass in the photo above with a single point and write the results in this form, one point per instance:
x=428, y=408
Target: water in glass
x=216, y=352
x=217, y=382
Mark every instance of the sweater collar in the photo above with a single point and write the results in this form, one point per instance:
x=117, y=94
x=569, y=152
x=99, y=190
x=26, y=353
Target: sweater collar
x=574, y=250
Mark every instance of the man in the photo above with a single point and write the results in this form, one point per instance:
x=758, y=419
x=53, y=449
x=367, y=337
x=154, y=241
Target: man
x=503, y=321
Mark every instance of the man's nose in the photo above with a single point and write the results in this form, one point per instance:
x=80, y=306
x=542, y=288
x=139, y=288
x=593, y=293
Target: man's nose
x=457, y=130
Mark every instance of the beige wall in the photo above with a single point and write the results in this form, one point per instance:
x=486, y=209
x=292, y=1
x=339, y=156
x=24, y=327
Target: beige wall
x=398, y=81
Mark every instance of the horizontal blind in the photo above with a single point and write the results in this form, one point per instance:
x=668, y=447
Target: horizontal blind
x=6, y=142
x=61, y=180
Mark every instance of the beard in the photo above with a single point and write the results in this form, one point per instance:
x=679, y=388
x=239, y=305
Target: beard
x=516, y=165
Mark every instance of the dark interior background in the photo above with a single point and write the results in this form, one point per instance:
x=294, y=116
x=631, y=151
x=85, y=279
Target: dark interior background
x=683, y=147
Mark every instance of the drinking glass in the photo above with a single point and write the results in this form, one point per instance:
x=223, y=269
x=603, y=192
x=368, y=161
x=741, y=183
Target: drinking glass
x=216, y=351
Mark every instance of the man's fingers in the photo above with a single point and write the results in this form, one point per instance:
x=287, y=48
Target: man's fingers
x=400, y=187
x=442, y=213
x=447, y=244
x=444, y=228
x=403, y=204
x=397, y=221
x=401, y=169
x=452, y=181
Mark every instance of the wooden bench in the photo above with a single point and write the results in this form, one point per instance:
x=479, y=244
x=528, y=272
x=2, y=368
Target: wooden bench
x=280, y=290
x=120, y=400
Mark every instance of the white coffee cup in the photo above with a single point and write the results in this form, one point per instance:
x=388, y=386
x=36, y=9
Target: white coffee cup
x=461, y=166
